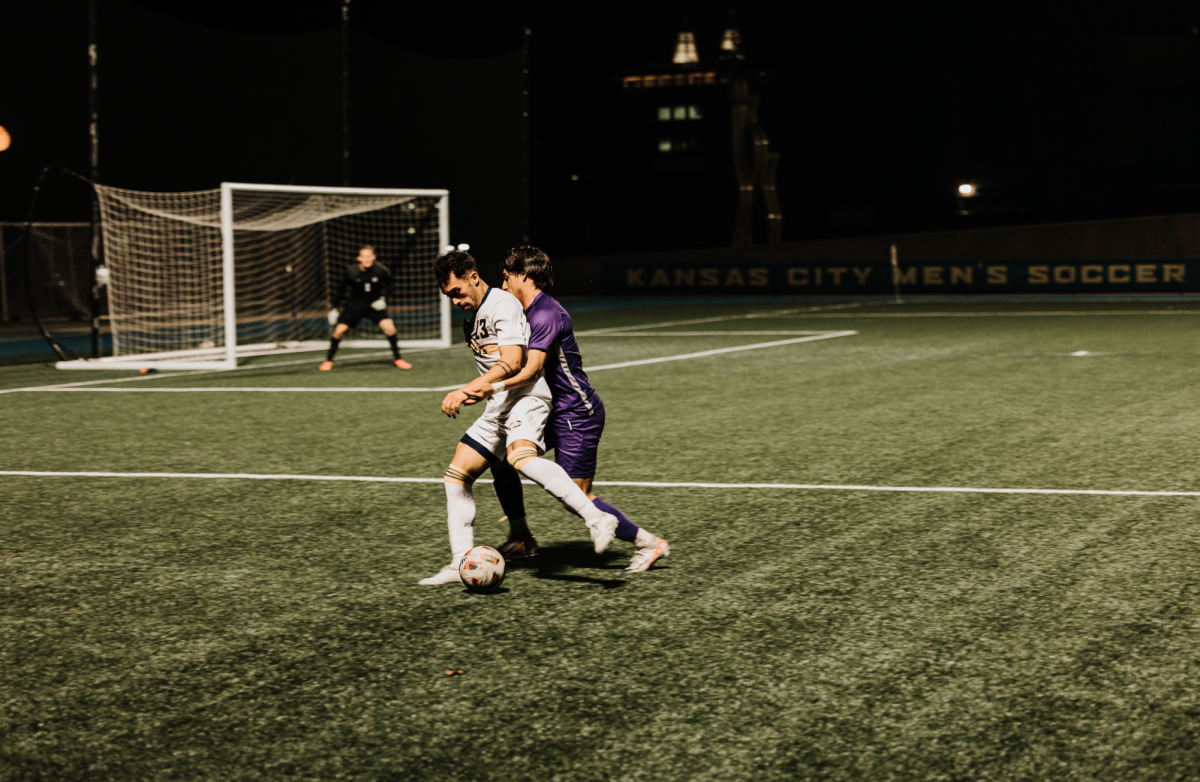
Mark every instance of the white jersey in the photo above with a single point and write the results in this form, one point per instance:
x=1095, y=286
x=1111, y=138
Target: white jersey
x=499, y=321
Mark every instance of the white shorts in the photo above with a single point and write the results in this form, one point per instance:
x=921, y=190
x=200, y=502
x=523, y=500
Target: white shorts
x=525, y=419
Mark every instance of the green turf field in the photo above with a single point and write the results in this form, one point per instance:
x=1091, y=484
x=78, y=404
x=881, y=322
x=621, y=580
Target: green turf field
x=233, y=628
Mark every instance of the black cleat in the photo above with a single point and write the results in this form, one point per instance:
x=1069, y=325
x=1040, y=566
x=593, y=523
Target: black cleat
x=519, y=548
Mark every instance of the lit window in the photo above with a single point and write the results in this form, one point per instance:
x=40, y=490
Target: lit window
x=681, y=112
x=685, y=49
x=664, y=145
x=694, y=112
x=664, y=113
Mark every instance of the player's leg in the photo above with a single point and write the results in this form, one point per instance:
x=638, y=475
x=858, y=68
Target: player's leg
x=343, y=325
x=389, y=330
x=480, y=446
x=507, y=483
x=576, y=451
x=526, y=425
x=464, y=470
x=521, y=542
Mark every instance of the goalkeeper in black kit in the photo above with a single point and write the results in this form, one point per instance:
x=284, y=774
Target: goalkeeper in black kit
x=363, y=294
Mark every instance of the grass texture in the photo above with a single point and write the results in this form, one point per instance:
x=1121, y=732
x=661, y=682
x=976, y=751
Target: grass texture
x=185, y=628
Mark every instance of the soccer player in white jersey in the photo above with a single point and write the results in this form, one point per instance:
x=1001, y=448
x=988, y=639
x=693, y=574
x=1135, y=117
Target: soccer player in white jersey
x=512, y=426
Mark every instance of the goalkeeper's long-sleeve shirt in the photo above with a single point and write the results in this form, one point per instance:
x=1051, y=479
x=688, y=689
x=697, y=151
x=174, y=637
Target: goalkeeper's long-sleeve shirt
x=362, y=286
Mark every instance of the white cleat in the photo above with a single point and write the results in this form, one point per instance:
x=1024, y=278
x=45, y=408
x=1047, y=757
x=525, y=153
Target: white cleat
x=648, y=555
x=447, y=575
x=603, y=530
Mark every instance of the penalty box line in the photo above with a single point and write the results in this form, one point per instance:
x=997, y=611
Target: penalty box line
x=83, y=384
x=719, y=319
x=634, y=484
x=620, y=365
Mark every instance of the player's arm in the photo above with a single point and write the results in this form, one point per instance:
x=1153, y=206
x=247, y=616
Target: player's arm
x=385, y=285
x=506, y=366
x=343, y=290
x=535, y=361
x=544, y=330
x=339, y=298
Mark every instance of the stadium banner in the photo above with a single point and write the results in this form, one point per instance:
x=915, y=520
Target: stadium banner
x=1133, y=275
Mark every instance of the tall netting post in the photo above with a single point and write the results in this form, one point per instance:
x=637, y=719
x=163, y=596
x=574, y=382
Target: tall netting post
x=200, y=279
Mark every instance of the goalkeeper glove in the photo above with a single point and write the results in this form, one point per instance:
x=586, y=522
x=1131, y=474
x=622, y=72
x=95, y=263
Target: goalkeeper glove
x=379, y=304
x=333, y=317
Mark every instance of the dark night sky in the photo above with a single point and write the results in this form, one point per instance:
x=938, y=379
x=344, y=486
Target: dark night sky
x=877, y=114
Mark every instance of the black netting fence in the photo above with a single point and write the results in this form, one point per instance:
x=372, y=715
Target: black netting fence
x=60, y=263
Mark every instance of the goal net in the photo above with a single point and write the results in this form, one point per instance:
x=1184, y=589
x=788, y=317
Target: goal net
x=197, y=280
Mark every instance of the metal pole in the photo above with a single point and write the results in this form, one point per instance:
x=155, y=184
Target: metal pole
x=94, y=132
x=525, y=136
x=3, y=281
x=345, y=93
x=228, y=295
x=896, y=272
x=443, y=241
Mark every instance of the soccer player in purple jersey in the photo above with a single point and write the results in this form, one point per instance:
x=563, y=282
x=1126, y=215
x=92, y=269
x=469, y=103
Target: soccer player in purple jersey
x=577, y=413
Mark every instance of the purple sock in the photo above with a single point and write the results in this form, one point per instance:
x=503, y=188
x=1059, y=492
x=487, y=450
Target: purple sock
x=626, y=529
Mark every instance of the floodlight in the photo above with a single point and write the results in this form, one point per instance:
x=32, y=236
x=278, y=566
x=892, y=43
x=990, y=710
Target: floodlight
x=464, y=247
x=966, y=190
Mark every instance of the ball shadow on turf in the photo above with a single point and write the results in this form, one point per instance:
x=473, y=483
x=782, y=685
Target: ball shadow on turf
x=487, y=592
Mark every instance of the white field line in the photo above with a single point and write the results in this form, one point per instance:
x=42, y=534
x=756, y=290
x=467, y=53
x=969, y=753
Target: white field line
x=636, y=484
x=190, y=373
x=718, y=319
x=1047, y=314
x=268, y=389
x=706, y=333
x=242, y=389
x=718, y=351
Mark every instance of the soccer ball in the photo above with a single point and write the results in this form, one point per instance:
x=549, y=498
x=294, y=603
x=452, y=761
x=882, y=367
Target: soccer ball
x=482, y=569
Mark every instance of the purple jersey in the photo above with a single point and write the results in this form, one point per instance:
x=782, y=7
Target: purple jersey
x=550, y=330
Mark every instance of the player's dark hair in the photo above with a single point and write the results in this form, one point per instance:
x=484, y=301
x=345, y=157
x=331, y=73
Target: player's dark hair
x=455, y=262
x=531, y=262
x=370, y=247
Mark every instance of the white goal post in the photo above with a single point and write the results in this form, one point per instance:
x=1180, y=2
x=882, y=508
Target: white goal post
x=198, y=280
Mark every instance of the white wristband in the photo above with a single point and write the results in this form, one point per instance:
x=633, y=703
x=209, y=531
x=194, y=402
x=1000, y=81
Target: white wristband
x=498, y=387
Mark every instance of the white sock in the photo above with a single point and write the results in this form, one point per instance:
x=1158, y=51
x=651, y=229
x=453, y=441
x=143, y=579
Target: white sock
x=460, y=518
x=555, y=480
x=645, y=539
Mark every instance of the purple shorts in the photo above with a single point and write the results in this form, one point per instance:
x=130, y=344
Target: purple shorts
x=575, y=438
